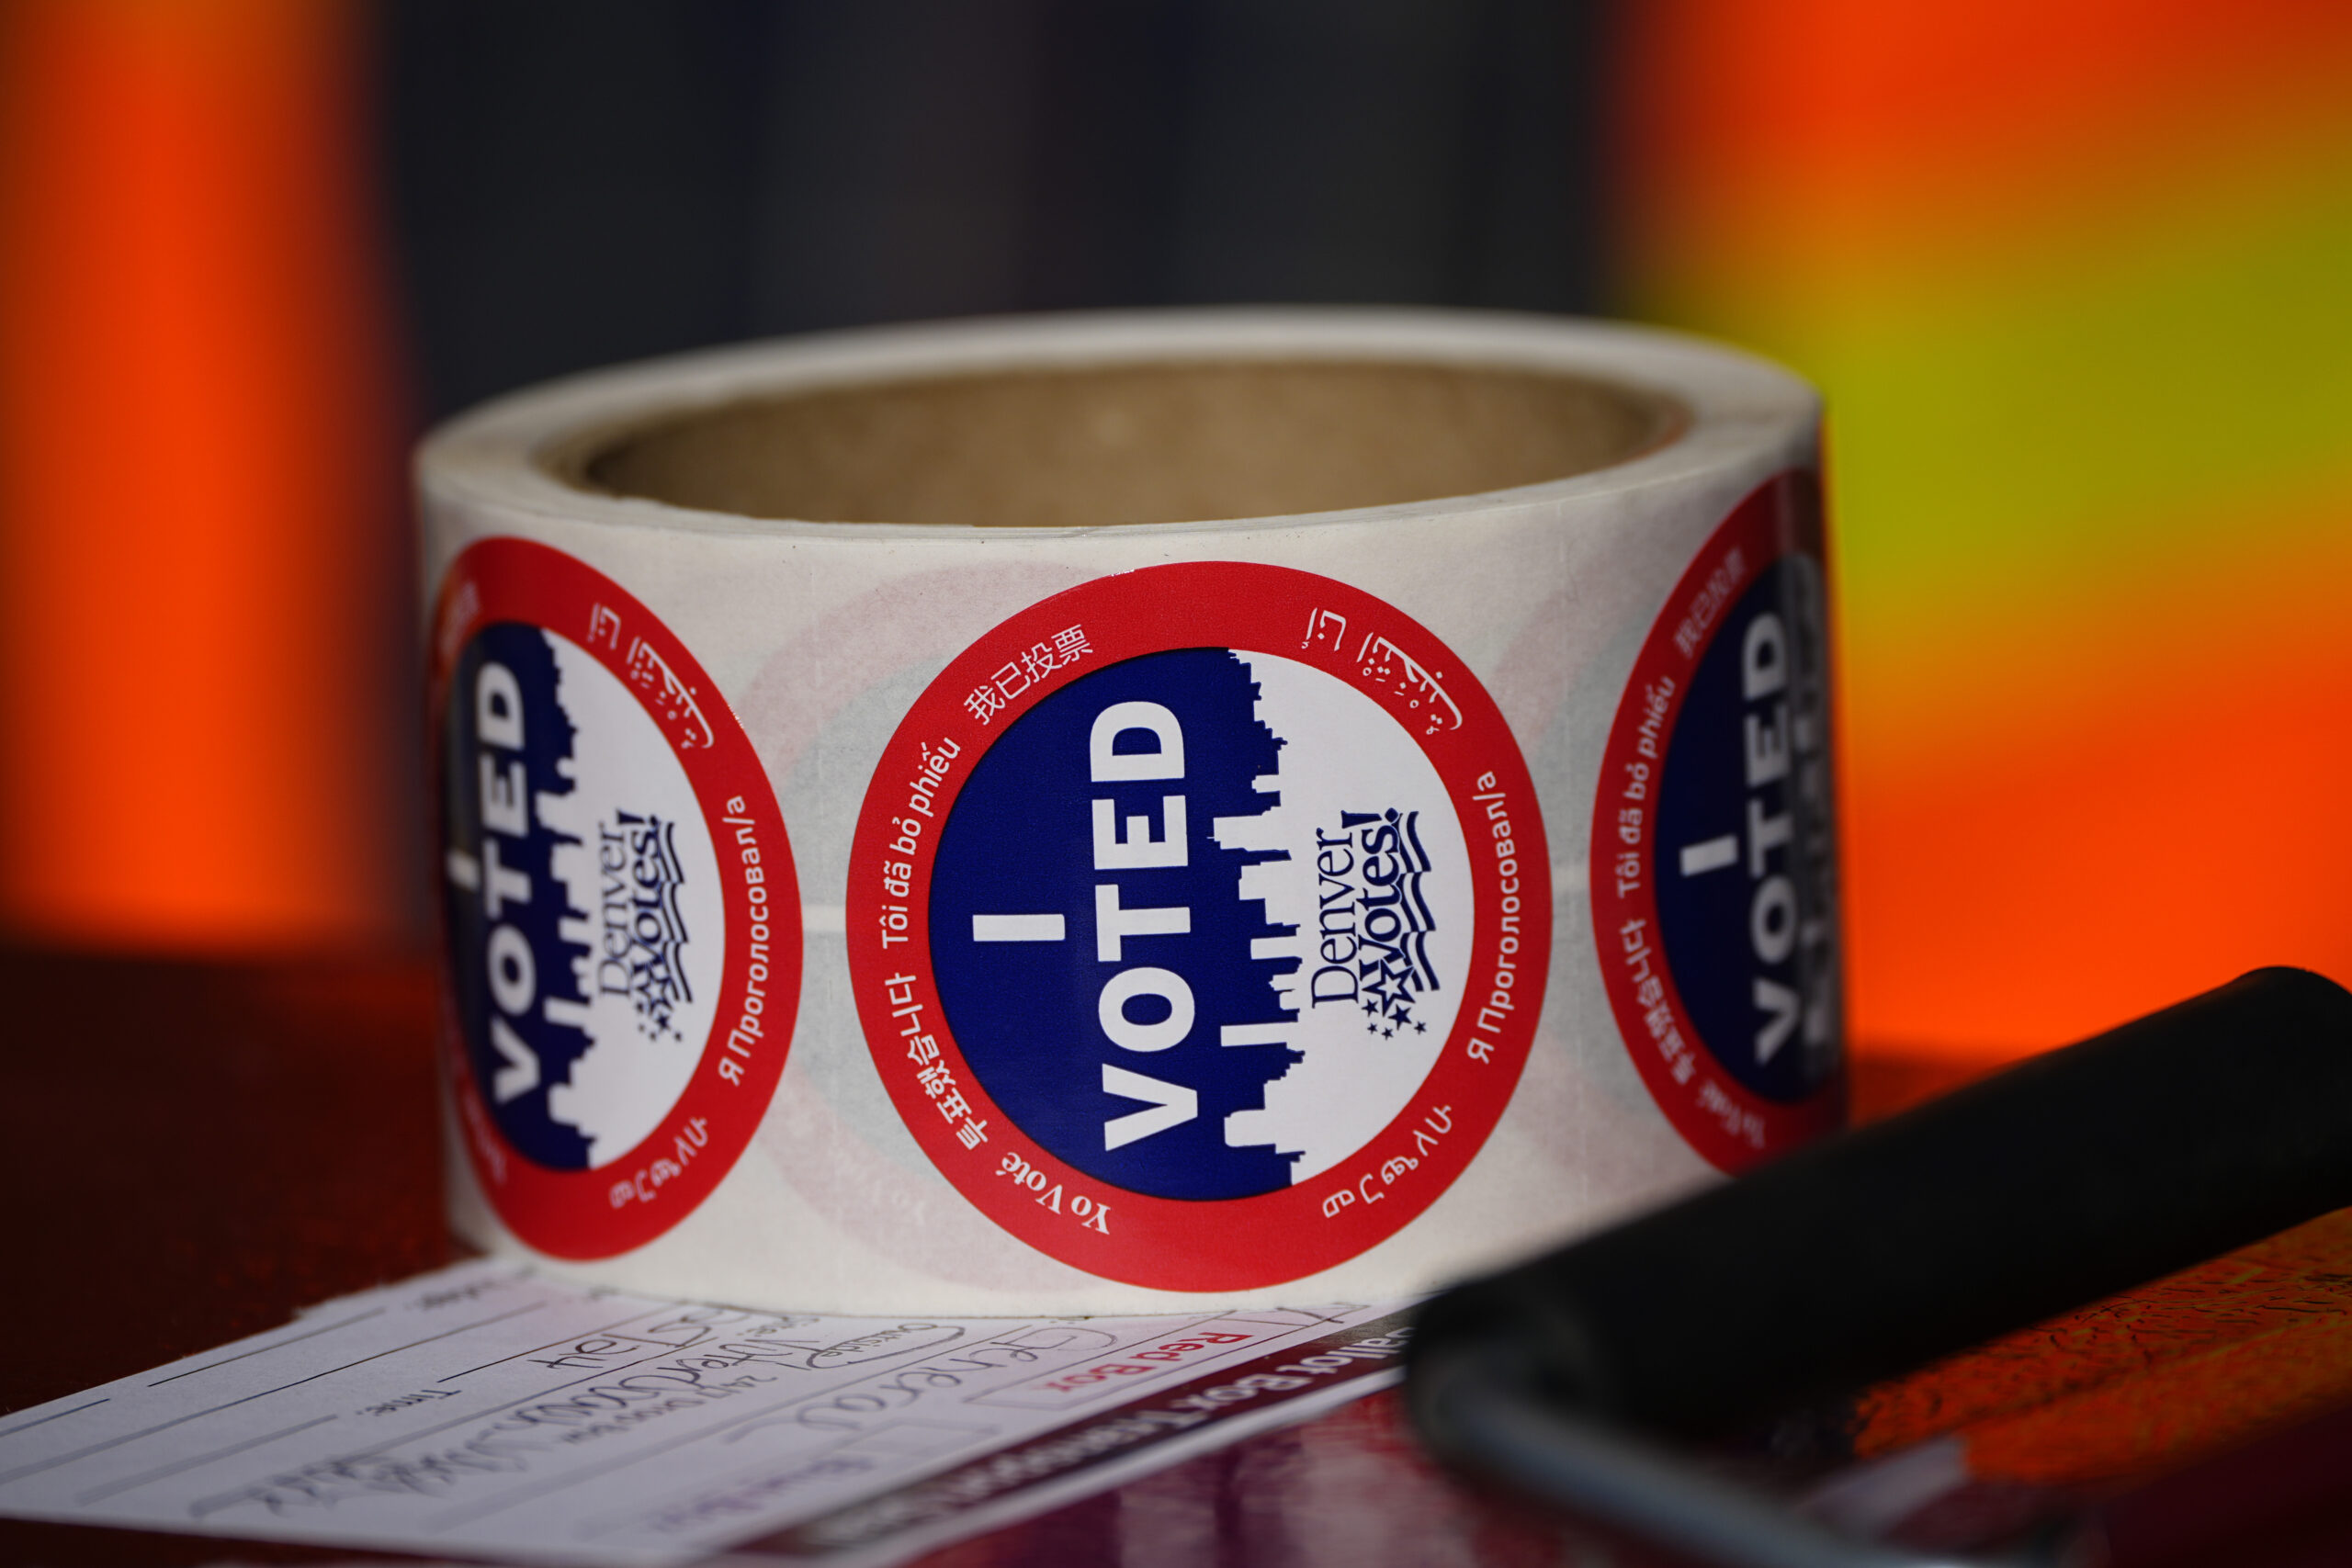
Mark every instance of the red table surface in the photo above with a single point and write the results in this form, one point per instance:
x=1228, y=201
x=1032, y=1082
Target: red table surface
x=197, y=1151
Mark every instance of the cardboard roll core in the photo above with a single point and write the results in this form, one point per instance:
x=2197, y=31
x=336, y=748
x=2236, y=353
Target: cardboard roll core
x=1156, y=443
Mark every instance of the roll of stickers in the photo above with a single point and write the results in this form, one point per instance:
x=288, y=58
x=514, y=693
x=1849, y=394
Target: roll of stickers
x=1103, y=813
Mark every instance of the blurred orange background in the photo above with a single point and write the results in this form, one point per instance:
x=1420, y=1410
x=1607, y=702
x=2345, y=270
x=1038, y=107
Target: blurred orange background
x=200, y=559
x=2076, y=276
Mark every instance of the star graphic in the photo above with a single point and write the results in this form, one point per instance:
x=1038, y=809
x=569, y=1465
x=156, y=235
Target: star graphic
x=1422, y=1027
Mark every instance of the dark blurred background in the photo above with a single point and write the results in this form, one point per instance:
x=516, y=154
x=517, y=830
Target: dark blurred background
x=639, y=178
x=2071, y=272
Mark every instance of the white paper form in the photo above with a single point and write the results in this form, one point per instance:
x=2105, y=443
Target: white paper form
x=485, y=1410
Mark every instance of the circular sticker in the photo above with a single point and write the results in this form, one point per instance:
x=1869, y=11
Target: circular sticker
x=1713, y=851
x=619, y=915
x=1198, y=919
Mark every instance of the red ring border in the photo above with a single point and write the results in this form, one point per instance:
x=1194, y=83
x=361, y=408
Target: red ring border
x=571, y=1214
x=1780, y=517
x=1233, y=1243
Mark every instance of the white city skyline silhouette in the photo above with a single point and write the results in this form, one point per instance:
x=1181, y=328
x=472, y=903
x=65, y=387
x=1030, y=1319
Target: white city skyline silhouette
x=626, y=1082
x=1341, y=753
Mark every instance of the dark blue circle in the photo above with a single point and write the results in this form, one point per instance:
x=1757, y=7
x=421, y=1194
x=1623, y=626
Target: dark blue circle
x=469, y=925
x=1745, y=858
x=1020, y=841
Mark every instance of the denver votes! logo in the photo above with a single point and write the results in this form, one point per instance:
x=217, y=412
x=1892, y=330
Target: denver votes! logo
x=1714, y=853
x=621, y=920
x=1198, y=919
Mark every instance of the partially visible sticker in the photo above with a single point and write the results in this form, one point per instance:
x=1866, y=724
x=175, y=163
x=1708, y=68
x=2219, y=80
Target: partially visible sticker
x=620, y=918
x=1198, y=918
x=1714, y=885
